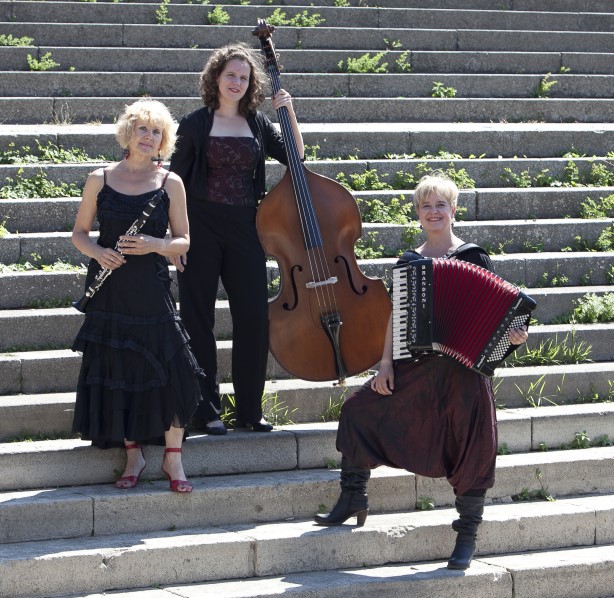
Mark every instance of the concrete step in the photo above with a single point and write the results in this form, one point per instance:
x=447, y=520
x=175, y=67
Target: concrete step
x=368, y=141
x=331, y=16
x=21, y=110
x=392, y=85
x=559, y=573
x=208, y=554
x=41, y=215
x=56, y=370
x=35, y=287
x=511, y=235
x=372, y=39
x=301, y=401
x=584, y=60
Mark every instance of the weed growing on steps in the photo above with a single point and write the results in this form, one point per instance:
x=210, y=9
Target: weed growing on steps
x=9, y=40
x=604, y=243
x=50, y=303
x=162, y=17
x=218, y=16
x=544, y=86
x=27, y=266
x=600, y=175
x=342, y=3
x=333, y=409
x=46, y=63
x=441, y=91
x=503, y=449
x=365, y=64
x=52, y=153
x=37, y=185
x=601, y=208
x=590, y=309
x=594, y=397
x=276, y=412
x=397, y=211
x=534, y=394
x=554, y=280
x=540, y=494
x=366, y=247
x=3, y=230
x=425, y=503
x=302, y=19
x=553, y=352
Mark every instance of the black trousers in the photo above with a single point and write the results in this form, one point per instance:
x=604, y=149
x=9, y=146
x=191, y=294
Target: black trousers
x=224, y=245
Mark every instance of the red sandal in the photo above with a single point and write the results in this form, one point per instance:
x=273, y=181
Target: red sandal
x=132, y=480
x=182, y=486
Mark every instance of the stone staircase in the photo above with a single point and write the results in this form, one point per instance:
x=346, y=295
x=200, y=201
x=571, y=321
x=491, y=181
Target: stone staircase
x=246, y=529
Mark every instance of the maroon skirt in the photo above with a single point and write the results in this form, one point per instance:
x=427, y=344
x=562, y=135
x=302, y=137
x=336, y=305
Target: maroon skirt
x=439, y=422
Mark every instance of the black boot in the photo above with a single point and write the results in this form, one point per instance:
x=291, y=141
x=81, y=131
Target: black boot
x=470, y=509
x=353, y=499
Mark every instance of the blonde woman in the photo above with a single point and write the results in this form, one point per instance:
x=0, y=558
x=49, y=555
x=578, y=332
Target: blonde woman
x=429, y=414
x=139, y=382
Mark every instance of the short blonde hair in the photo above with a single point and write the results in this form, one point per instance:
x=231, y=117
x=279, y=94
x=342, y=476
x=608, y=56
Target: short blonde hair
x=439, y=184
x=151, y=111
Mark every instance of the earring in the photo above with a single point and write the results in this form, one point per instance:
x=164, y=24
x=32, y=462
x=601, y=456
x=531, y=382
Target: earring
x=126, y=153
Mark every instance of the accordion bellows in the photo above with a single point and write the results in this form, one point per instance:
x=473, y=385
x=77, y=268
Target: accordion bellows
x=458, y=309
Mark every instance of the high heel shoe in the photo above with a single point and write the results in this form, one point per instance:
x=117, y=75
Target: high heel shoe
x=182, y=486
x=132, y=480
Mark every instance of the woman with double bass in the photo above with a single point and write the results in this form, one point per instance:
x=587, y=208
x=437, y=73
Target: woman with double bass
x=220, y=156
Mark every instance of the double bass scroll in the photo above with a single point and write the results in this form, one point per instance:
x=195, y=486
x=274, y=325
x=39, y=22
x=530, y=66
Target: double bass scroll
x=328, y=320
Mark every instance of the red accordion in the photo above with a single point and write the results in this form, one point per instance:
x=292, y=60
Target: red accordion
x=458, y=309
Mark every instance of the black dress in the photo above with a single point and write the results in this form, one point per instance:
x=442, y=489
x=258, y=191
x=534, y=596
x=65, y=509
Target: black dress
x=138, y=375
x=439, y=421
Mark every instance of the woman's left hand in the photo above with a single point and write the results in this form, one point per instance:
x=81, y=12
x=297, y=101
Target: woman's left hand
x=518, y=335
x=139, y=244
x=282, y=98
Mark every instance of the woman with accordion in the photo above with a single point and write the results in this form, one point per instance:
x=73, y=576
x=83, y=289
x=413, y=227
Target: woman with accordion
x=427, y=413
x=139, y=382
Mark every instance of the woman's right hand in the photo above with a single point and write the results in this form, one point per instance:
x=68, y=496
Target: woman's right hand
x=383, y=381
x=179, y=261
x=109, y=258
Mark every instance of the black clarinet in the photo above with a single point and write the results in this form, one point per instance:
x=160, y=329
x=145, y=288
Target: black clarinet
x=137, y=225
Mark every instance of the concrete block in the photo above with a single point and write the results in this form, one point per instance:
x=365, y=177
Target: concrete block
x=9, y=249
x=567, y=572
x=550, y=425
x=21, y=110
x=581, y=62
x=10, y=374
x=391, y=581
x=509, y=528
x=69, y=34
x=39, y=215
x=49, y=371
x=42, y=514
x=561, y=384
x=555, y=302
x=604, y=519
x=514, y=427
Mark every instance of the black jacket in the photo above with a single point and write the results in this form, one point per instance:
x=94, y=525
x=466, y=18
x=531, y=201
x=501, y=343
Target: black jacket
x=190, y=158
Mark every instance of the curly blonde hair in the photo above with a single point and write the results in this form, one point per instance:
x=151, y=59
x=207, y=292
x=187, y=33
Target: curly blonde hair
x=439, y=184
x=151, y=111
x=209, y=91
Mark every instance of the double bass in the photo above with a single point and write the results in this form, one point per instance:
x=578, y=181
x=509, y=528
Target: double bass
x=329, y=319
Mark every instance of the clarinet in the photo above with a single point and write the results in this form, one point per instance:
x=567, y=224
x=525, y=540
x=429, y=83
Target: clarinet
x=136, y=226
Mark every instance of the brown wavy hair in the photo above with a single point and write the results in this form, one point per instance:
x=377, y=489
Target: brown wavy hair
x=254, y=96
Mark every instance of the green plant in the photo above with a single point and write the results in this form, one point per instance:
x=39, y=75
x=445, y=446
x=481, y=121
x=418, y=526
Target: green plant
x=46, y=63
x=273, y=286
x=333, y=409
x=580, y=441
x=3, y=230
x=37, y=185
x=365, y=64
x=9, y=40
x=534, y=394
x=27, y=436
x=394, y=44
x=367, y=249
x=218, y=16
x=543, y=447
x=556, y=280
x=402, y=63
x=601, y=175
x=602, y=440
x=521, y=180
x=366, y=181
x=342, y=3
x=540, y=494
x=301, y=19
x=603, y=208
x=503, y=449
x=591, y=308
x=162, y=17
x=276, y=412
x=553, y=352
x=542, y=90
x=50, y=303
x=397, y=211
x=425, y=503
x=441, y=91
x=331, y=463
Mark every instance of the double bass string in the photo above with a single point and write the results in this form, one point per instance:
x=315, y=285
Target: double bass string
x=318, y=264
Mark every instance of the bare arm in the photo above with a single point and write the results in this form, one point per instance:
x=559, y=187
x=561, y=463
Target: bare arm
x=105, y=256
x=383, y=381
x=283, y=98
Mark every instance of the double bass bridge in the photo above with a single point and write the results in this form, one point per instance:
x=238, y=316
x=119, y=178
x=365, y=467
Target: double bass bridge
x=321, y=283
